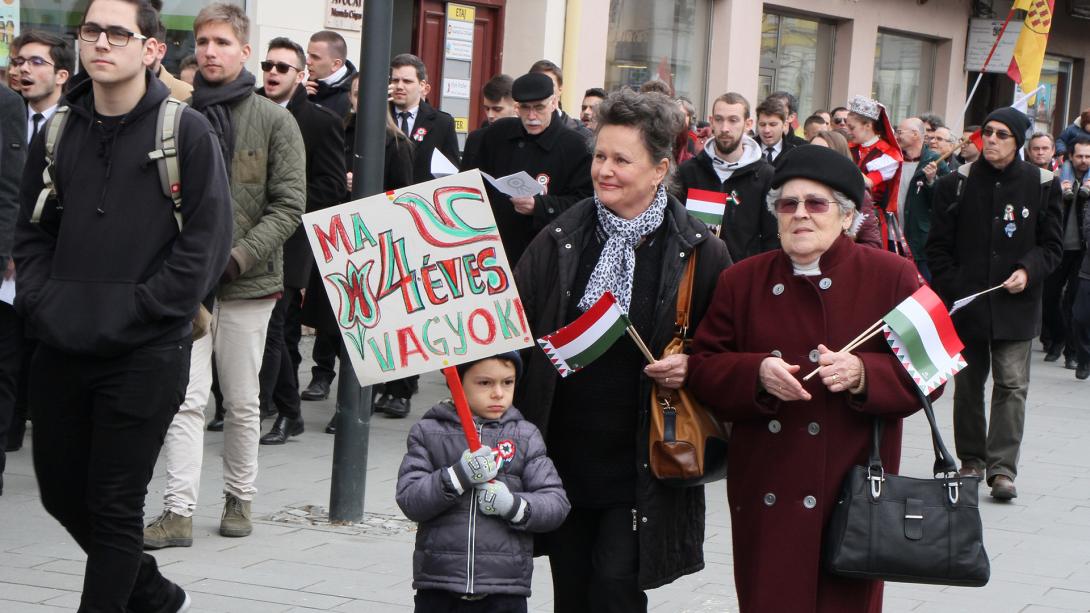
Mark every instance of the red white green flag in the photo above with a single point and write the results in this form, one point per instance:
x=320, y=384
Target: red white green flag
x=707, y=206
x=584, y=340
x=922, y=336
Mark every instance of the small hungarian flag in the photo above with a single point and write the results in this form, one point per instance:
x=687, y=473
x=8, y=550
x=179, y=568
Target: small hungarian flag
x=707, y=206
x=584, y=340
x=922, y=336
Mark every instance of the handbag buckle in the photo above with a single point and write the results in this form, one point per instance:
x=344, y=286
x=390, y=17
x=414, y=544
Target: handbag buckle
x=876, y=481
x=953, y=491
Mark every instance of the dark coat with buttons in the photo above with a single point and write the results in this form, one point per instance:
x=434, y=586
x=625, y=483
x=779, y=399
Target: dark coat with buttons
x=787, y=460
x=969, y=249
x=671, y=529
x=558, y=158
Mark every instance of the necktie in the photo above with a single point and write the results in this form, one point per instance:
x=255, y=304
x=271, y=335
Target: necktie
x=37, y=119
x=404, y=115
x=770, y=154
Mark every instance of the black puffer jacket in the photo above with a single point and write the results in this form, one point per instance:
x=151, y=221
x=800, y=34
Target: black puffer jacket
x=458, y=549
x=671, y=527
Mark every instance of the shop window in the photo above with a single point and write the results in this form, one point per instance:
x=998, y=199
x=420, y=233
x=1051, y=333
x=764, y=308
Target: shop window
x=904, y=69
x=797, y=57
x=1051, y=111
x=665, y=39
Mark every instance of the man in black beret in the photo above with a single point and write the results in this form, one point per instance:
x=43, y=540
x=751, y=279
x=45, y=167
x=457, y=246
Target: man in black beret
x=995, y=222
x=536, y=142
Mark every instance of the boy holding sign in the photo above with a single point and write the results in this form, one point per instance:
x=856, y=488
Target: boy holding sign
x=482, y=504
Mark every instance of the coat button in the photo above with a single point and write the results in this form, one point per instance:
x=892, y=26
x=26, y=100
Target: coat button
x=770, y=499
x=644, y=519
x=567, y=245
x=681, y=255
x=814, y=355
x=558, y=230
x=776, y=353
x=825, y=283
x=775, y=426
x=777, y=289
x=809, y=502
x=698, y=235
x=551, y=210
x=567, y=292
x=814, y=428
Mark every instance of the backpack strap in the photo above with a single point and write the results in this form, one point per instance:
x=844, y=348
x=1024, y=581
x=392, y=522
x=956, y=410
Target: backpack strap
x=165, y=154
x=53, y=129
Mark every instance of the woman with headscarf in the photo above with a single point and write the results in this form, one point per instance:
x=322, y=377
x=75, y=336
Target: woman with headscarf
x=627, y=532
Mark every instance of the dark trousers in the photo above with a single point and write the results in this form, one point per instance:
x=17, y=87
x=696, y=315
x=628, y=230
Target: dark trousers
x=326, y=346
x=279, y=375
x=11, y=349
x=1081, y=321
x=1059, y=298
x=99, y=424
x=439, y=601
x=992, y=444
x=594, y=557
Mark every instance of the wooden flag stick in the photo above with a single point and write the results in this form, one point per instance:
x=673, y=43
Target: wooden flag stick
x=865, y=336
x=639, y=343
x=454, y=382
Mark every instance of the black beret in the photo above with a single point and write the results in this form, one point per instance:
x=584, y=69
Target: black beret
x=510, y=356
x=531, y=87
x=1014, y=119
x=823, y=165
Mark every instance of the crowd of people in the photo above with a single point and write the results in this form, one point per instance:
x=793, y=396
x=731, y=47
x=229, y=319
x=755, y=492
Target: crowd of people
x=157, y=260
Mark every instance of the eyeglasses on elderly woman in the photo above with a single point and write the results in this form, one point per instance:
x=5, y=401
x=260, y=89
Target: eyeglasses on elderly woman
x=813, y=204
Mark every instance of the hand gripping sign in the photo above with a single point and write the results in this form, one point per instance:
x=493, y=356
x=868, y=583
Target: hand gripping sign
x=418, y=281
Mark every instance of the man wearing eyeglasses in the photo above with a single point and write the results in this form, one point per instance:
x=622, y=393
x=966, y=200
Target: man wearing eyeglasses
x=43, y=65
x=995, y=222
x=323, y=140
x=109, y=282
x=840, y=122
x=539, y=143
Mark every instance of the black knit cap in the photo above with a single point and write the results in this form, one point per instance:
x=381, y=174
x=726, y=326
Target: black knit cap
x=532, y=87
x=509, y=356
x=1014, y=119
x=823, y=165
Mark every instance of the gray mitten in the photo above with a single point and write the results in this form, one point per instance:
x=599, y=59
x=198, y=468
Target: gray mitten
x=474, y=467
x=494, y=498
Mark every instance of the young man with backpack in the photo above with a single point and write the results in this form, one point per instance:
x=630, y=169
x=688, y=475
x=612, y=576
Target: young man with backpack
x=112, y=269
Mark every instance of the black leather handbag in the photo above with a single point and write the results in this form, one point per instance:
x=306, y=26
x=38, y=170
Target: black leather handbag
x=893, y=528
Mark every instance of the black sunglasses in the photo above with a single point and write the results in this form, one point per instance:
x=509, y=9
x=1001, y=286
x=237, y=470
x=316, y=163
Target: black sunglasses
x=281, y=67
x=1000, y=134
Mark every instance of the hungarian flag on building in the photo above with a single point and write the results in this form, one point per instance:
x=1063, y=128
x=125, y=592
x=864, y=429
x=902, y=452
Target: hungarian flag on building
x=922, y=336
x=707, y=206
x=1029, y=49
x=584, y=340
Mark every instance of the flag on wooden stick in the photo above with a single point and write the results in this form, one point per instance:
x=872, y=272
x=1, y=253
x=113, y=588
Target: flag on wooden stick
x=922, y=336
x=584, y=340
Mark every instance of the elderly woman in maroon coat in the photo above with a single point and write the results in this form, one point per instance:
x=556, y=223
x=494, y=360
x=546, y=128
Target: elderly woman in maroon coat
x=775, y=317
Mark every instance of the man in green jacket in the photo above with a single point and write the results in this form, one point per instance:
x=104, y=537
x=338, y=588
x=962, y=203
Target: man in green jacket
x=920, y=169
x=268, y=191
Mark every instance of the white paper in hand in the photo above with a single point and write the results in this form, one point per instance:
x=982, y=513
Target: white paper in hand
x=964, y=302
x=441, y=166
x=519, y=184
x=7, y=290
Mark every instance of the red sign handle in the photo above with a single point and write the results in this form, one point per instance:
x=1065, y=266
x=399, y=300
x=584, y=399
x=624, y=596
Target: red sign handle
x=454, y=382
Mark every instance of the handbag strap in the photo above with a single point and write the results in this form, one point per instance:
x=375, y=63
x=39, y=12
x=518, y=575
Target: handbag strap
x=944, y=462
x=685, y=299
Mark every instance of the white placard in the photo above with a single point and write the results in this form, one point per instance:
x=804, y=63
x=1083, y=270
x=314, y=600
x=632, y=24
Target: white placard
x=344, y=14
x=460, y=30
x=418, y=279
x=456, y=88
x=459, y=50
x=982, y=34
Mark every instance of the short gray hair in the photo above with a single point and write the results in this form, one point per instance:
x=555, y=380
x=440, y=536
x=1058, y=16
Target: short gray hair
x=654, y=115
x=843, y=202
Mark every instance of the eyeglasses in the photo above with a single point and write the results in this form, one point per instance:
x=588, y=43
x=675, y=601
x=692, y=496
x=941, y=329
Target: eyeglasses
x=116, y=36
x=537, y=108
x=813, y=204
x=840, y=120
x=1000, y=134
x=281, y=67
x=33, y=60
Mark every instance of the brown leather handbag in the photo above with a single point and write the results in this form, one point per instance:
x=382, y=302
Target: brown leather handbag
x=688, y=446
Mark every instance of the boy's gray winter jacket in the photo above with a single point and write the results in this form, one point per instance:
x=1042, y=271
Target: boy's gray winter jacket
x=459, y=549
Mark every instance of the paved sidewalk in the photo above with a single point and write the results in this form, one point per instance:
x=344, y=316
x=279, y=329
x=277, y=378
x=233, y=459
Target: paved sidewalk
x=1039, y=544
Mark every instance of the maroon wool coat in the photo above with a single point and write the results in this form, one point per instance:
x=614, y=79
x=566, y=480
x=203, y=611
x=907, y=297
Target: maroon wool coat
x=787, y=460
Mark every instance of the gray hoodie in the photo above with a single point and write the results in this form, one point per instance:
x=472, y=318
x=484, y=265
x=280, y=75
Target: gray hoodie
x=458, y=549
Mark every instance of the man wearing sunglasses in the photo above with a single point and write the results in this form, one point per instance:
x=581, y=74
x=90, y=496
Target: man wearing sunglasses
x=108, y=375
x=43, y=65
x=995, y=222
x=840, y=122
x=323, y=140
